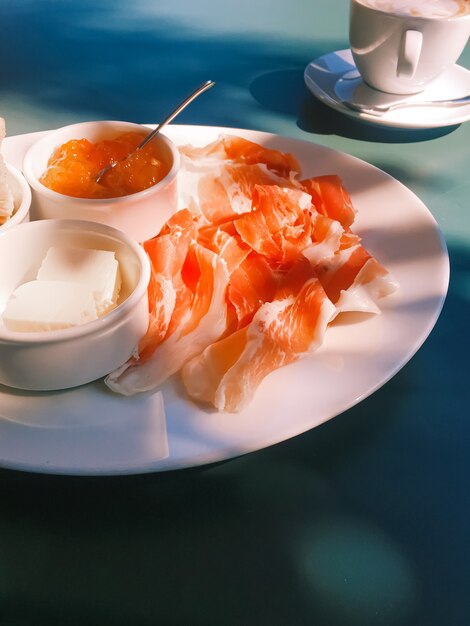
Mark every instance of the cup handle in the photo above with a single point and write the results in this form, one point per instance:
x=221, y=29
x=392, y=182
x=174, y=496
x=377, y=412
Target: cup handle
x=411, y=44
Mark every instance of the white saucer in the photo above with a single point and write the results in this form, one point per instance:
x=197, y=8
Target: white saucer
x=334, y=79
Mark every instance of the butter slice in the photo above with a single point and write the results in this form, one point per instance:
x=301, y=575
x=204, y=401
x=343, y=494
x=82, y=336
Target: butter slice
x=49, y=305
x=98, y=269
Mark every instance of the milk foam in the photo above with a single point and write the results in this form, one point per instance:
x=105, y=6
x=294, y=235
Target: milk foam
x=422, y=8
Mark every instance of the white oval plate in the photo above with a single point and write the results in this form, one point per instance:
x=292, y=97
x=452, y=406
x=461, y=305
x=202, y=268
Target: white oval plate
x=91, y=431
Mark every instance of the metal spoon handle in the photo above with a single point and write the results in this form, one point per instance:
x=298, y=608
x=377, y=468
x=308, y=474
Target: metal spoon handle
x=381, y=109
x=207, y=85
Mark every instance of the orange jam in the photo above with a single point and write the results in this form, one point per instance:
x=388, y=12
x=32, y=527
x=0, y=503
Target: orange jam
x=73, y=167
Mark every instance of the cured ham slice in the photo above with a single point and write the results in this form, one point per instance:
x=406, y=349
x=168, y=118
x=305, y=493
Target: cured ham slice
x=354, y=280
x=167, y=254
x=227, y=373
x=201, y=320
x=252, y=281
x=251, y=284
x=240, y=150
x=218, y=191
x=217, y=181
x=224, y=241
x=327, y=237
x=279, y=221
x=330, y=198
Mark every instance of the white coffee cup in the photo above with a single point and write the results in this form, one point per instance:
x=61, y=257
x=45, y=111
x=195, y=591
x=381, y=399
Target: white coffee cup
x=401, y=46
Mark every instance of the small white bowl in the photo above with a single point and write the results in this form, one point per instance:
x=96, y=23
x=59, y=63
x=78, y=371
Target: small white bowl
x=21, y=192
x=141, y=215
x=69, y=357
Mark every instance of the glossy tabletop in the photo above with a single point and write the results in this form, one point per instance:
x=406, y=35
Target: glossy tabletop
x=361, y=521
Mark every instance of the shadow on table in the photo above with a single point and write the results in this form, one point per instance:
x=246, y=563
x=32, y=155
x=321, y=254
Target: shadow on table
x=264, y=539
x=284, y=91
x=117, y=63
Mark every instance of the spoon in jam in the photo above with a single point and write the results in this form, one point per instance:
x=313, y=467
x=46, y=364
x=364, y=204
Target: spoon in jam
x=207, y=85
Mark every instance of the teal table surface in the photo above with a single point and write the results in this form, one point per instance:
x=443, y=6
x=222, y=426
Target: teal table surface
x=361, y=521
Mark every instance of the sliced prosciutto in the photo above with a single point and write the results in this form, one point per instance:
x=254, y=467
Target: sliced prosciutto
x=330, y=198
x=199, y=319
x=291, y=326
x=279, y=224
x=354, y=280
x=220, y=191
x=251, y=284
x=244, y=151
x=216, y=182
x=251, y=279
x=167, y=254
x=327, y=236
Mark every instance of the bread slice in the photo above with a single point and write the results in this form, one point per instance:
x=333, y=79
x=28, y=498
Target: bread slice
x=7, y=204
